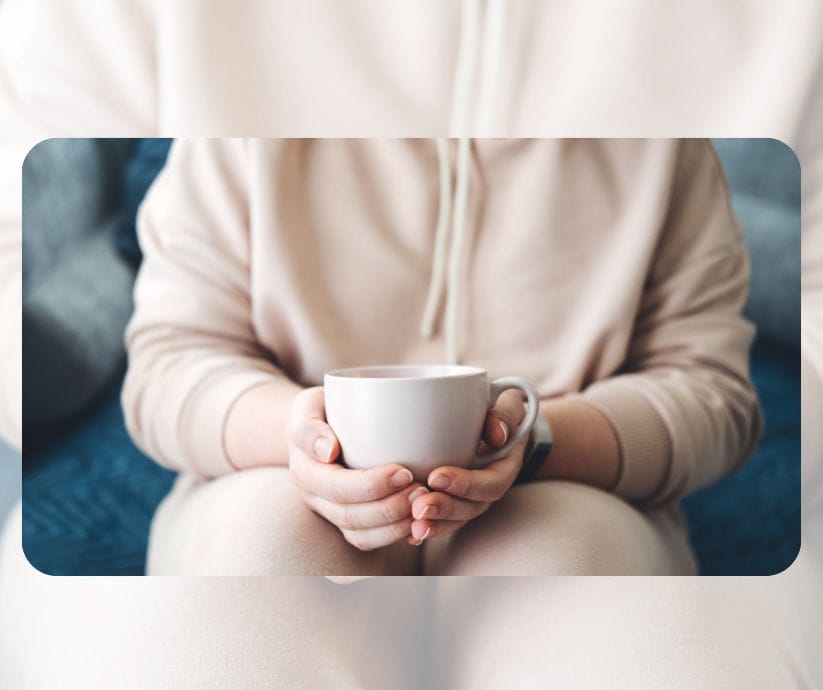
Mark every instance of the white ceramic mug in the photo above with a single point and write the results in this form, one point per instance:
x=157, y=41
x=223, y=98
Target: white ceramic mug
x=420, y=416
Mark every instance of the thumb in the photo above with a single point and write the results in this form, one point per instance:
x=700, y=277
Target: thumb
x=503, y=418
x=308, y=429
x=495, y=430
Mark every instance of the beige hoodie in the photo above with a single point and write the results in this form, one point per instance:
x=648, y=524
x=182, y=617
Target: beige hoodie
x=635, y=68
x=404, y=68
x=610, y=269
x=411, y=67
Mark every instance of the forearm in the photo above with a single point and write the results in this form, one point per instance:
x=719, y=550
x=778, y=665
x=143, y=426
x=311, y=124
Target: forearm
x=585, y=448
x=255, y=433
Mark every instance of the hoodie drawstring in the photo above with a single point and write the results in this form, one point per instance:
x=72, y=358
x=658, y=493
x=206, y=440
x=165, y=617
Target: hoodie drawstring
x=461, y=197
x=441, y=239
x=451, y=215
x=460, y=125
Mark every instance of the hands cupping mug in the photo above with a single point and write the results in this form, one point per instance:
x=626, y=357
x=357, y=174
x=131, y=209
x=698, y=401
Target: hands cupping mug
x=393, y=452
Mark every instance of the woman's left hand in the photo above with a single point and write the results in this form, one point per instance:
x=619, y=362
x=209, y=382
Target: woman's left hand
x=459, y=495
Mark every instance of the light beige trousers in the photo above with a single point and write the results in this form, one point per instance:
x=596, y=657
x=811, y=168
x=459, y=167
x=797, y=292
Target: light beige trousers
x=246, y=633
x=255, y=523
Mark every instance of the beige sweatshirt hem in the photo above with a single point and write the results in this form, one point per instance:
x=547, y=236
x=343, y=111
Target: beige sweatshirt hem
x=203, y=427
x=643, y=437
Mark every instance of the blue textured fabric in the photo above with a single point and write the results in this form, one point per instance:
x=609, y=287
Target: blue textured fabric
x=77, y=289
x=147, y=159
x=764, y=178
x=88, y=498
x=765, y=169
x=749, y=523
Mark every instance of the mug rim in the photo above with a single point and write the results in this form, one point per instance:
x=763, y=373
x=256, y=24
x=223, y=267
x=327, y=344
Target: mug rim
x=446, y=371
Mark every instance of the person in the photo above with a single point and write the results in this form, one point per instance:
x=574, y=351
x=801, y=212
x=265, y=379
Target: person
x=142, y=68
x=611, y=274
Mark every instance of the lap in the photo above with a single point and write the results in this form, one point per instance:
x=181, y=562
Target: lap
x=254, y=522
x=609, y=632
x=615, y=632
x=215, y=632
x=564, y=528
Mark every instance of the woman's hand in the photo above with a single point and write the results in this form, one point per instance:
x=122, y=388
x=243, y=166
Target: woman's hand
x=459, y=495
x=372, y=508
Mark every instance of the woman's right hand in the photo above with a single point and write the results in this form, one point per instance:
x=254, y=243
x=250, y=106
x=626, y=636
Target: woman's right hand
x=371, y=508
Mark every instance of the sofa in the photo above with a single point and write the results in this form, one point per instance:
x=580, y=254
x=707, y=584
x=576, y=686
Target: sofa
x=89, y=494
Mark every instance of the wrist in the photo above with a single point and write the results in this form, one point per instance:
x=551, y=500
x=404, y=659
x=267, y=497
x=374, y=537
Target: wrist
x=256, y=429
x=537, y=450
x=585, y=448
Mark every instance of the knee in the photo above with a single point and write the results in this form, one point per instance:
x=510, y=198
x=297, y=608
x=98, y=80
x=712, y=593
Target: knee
x=556, y=528
x=250, y=523
x=590, y=532
x=670, y=629
x=265, y=524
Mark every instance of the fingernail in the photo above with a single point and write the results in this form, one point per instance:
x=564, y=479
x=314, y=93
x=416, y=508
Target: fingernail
x=422, y=539
x=504, y=429
x=322, y=449
x=440, y=481
x=417, y=493
x=401, y=478
x=422, y=536
x=429, y=512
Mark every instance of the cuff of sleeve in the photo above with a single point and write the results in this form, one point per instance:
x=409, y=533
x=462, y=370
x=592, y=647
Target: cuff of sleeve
x=644, y=439
x=202, y=427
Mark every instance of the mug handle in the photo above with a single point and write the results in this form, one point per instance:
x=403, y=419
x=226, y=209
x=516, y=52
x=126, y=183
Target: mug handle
x=533, y=407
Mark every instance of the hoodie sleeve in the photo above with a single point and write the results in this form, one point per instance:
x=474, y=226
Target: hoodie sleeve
x=683, y=406
x=191, y=344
